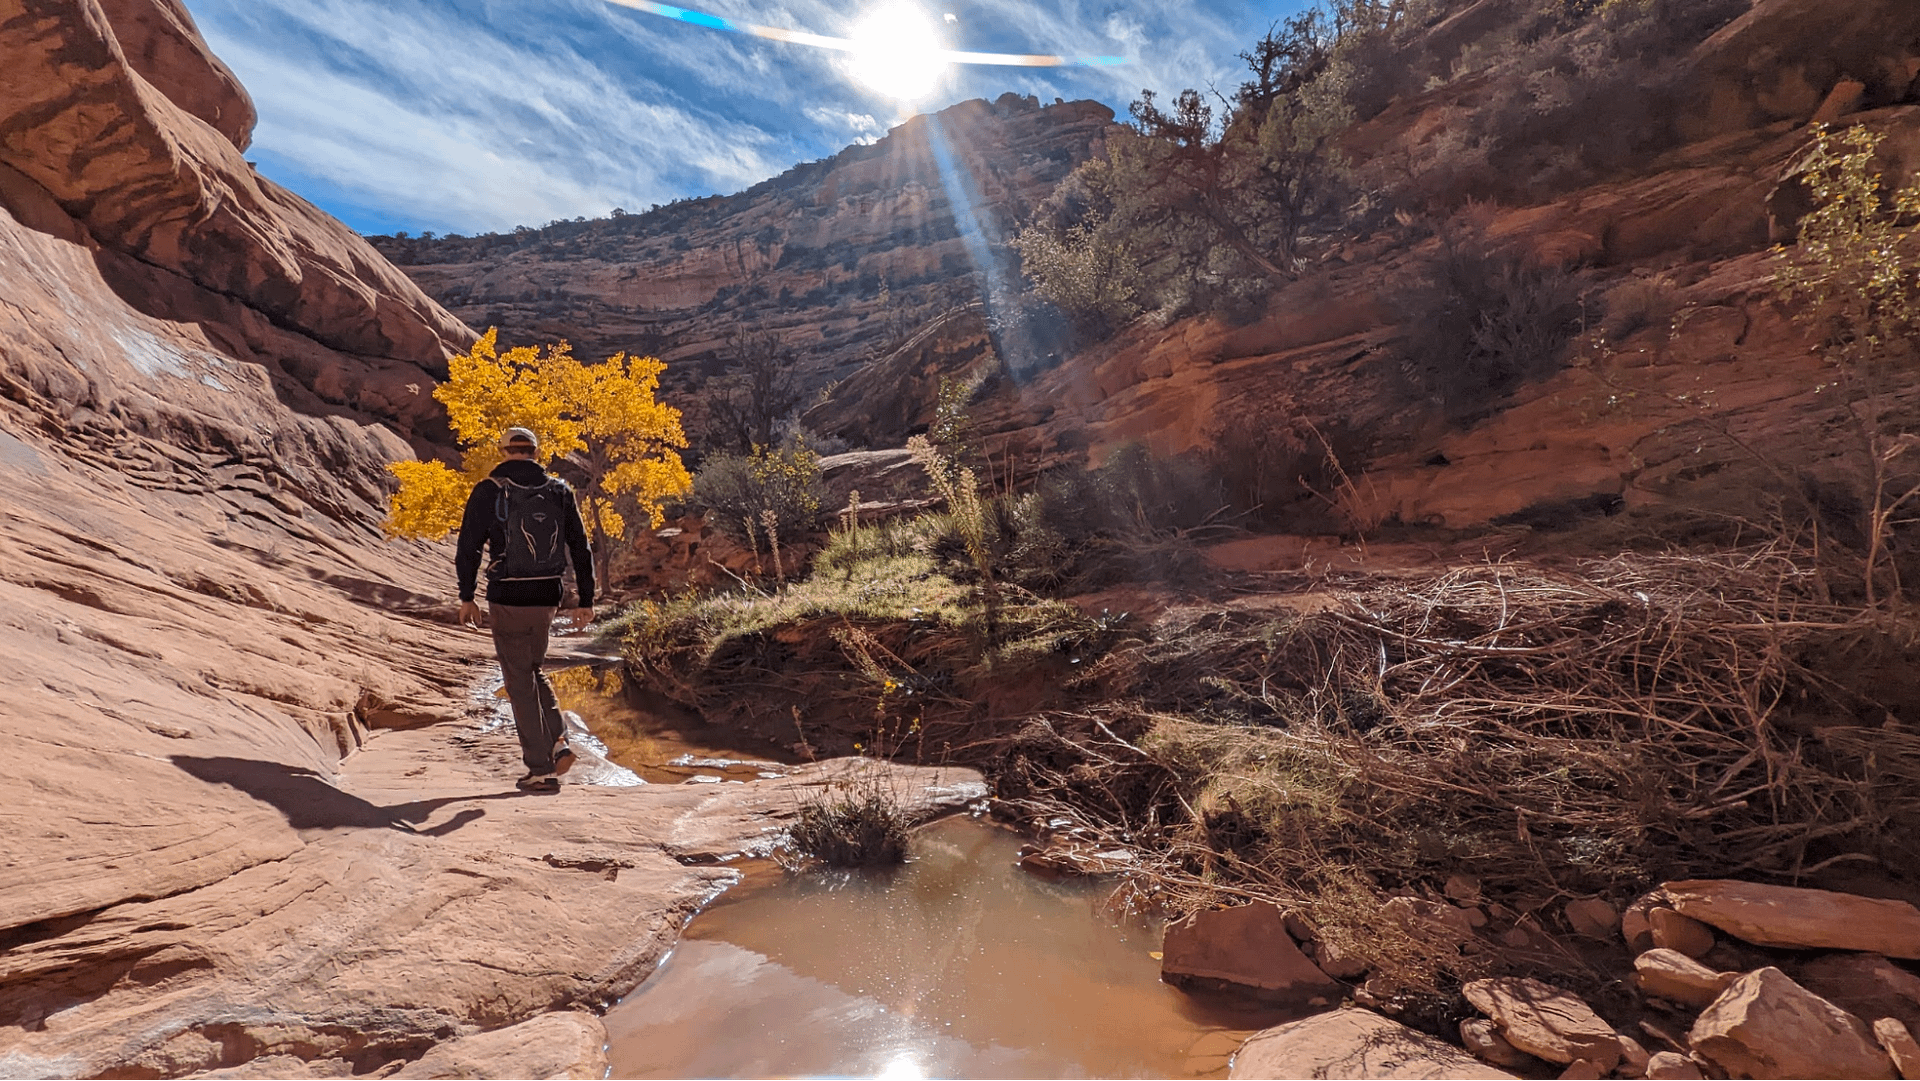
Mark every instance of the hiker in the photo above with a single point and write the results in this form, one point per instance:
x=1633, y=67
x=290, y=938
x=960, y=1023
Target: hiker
x=531, y=522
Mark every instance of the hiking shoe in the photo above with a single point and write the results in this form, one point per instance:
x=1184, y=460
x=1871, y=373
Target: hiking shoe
x=562, y=758
x=539, y=782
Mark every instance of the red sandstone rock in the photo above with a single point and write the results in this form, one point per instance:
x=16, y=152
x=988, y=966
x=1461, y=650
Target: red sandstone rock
x=1482, y=1039
x=1764, y=1025
x=1800, y=918
x=1672, y=1066
x=1352, y=1043
x=1593, y=918
x=1863, y=984
x=566, y=1044
x=1672, y=931
x=1900, y=1046
x=1676, y=977
x=1546, y=1021
x=1246, y=945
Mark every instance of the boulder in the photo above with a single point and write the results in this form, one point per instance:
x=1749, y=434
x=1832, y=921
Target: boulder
x=1635, y=928
x=1482, y=1038
x=1899, y=1045
x=1672, y=1066
x=1247, y=946
x=564, y=1044
x=1674, y=976
x=1336, y=961
x=1866, y=985
x=1582, y=1070
x=1593, y=918
x=1352, y=1043
x=1672, y=931
x=1546, y=1021
x=1633, y=1058
x=1800, y=918
x=1765, y=1025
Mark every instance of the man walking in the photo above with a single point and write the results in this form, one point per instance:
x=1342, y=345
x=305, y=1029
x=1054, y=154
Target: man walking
x=530, y=522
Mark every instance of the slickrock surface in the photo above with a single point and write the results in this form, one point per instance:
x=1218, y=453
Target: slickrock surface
x=1353, y=1043
x=89, y=129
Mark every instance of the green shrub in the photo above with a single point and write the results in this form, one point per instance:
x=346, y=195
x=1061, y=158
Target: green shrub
x=742, y=489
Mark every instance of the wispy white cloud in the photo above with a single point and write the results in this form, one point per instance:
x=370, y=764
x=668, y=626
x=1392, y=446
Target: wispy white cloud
x=470, y=115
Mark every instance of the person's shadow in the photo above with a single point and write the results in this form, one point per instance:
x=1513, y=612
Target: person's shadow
x=309, y=802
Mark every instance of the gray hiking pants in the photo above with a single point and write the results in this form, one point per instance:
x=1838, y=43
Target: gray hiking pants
x=520, y=641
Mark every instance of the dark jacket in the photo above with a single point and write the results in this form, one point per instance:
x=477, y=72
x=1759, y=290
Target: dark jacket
x=480, y=527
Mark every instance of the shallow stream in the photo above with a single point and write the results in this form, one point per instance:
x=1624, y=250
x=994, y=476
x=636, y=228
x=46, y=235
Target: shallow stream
x=954, y=965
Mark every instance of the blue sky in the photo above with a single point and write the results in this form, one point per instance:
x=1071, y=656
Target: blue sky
x=475, y=115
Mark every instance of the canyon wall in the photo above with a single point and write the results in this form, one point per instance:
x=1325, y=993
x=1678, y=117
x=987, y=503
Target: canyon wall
x=843, y=259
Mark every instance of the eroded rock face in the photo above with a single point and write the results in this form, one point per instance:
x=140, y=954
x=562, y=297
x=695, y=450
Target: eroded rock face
x=149, y=177
x=1352, y=1043
x=1765, y=1025
x=1789, y=916
x=843, y=260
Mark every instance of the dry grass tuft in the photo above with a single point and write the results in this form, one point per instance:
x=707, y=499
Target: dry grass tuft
x=859, y=824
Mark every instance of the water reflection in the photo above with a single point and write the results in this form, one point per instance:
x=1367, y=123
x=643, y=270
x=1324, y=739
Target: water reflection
x=955, y=965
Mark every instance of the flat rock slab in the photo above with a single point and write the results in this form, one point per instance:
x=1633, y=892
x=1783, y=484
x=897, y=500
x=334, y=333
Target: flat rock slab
x=567, y=1044
x=1248, y=946
x=1546, y=1021
x=1765, y=1025
x=1353, y=1043
x=1800, y=918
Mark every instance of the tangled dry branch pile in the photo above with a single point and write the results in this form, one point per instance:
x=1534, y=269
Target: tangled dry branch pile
x=1554, y=734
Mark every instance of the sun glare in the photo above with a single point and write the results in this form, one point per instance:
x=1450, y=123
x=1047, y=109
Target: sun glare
x=897, y=53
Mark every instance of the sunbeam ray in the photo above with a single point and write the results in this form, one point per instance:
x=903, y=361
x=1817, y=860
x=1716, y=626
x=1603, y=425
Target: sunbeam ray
x=848, y=45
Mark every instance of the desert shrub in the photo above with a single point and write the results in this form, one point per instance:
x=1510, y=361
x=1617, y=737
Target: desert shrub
x=1854, y=276
x=743, y=489
x=1277, y=472
x=854, y=824
x=1636, y=304
x=1089, y=276
x=1482, y=322
x=1576, y=91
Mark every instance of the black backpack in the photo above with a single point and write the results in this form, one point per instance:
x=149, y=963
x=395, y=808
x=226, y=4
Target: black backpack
x=534, y=521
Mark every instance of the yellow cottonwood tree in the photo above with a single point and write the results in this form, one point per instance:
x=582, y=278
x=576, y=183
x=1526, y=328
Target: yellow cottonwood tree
x=603, y=416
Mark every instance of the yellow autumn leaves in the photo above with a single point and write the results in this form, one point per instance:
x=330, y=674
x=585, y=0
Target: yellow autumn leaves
x=603, y=416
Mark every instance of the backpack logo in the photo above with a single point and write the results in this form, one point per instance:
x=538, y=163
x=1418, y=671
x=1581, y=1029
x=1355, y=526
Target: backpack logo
x=534, y=521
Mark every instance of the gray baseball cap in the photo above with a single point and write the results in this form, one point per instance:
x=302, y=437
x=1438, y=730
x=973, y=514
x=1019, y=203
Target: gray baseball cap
x=514, y=438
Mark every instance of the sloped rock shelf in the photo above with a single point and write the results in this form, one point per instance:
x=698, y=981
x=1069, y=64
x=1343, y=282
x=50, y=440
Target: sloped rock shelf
x=954, y=965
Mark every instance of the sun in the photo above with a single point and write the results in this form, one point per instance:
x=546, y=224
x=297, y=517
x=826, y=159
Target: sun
x=897, y=53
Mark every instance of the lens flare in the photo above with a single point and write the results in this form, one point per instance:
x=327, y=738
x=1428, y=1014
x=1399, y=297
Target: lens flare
x=897, y=53
x=856, y=46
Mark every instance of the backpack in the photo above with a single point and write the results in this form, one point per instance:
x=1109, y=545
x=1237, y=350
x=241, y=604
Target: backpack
x=533, y=519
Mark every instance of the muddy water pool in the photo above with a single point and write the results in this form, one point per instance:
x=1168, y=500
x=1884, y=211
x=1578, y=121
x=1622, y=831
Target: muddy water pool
x=956, y=964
